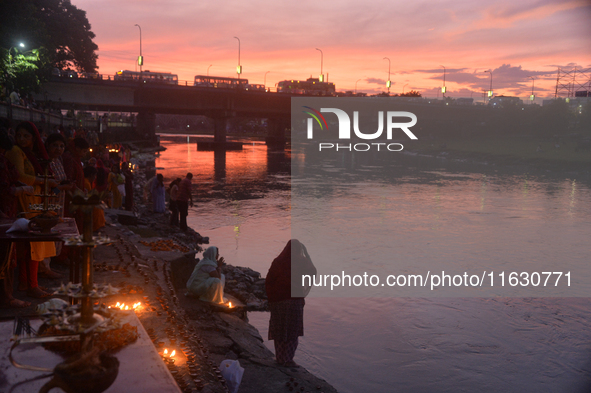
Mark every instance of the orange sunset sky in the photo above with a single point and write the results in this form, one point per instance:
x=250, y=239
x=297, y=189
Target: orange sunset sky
x=516, y=39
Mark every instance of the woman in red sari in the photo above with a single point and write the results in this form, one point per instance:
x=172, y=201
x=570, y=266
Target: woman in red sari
x=26, y=156
x=9, y=192
x=286, y=299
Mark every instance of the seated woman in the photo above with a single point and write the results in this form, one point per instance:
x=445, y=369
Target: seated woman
x=206, y=281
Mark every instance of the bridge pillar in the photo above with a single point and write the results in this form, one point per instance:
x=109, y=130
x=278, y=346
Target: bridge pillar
x=219, y=136
x=276, y=133
x=219, y=164
x=220, y=124
x=146, y=126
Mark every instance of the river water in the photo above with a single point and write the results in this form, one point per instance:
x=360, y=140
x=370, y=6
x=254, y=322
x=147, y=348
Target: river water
x=438, y=210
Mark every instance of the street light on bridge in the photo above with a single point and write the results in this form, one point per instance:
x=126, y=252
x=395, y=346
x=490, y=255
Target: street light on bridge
x=208, y=69
x=265, y=80
x=443, y=89
x=490, y=91
x=239, y=68
x=140, y=59
x=356, y=85
x=403, y=88
x=321, y=78
x=388, y=82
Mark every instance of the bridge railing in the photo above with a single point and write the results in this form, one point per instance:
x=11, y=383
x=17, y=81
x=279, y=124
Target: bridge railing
x=16, y=113
x=111, y=78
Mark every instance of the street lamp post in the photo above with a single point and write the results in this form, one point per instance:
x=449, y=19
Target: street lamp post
x=140, y=60
x=265, y=80
x=443, y=89
x=403, y=88
x=321, y=79
x=490, y=92
x=239, y=68
x=356, y=85
x=208, y=69
x=388, y=82
x=9, y=56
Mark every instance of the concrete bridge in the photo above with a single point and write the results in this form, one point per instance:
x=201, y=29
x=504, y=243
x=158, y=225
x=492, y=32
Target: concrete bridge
x=149, y=99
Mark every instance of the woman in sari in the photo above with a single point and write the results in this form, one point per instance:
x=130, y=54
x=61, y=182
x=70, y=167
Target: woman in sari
x=159, y=194
x=207, y=282
x=25, y=156
x=9, y=192
x=286, y=299
x=115, y=179
x=173, y=191
x=98, y=214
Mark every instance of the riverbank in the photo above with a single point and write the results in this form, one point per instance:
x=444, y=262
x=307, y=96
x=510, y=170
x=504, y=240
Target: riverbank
x=149, y=260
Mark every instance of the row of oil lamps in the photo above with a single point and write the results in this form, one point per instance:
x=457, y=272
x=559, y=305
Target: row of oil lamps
x=169, y=355
x=181, y=324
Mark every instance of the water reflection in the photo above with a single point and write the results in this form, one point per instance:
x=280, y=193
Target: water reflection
x=435, y=210
x=235, y=175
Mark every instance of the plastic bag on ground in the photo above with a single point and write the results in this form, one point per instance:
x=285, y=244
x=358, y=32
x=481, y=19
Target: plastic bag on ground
x=232, y=373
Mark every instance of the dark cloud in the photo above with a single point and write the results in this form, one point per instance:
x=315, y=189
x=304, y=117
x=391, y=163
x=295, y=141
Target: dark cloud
x=376, y=81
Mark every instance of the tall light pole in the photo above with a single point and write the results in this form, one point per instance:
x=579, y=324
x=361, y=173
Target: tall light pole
x=490, y=91
x=321, y=79
x=208, y=69
x=356, y=85
x=239, y=68
x=388, y=82
x=140, y=60
x=443, y=89
x=403, y=88
x=265, y=80
x=532, y=97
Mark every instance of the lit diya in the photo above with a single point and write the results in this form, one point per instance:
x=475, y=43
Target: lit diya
x=124, y=307
x=168, y=358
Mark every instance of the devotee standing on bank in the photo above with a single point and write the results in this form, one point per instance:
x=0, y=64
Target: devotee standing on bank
x=173, y=190
x=184, y=200
x=159, y=194
x=128, y=173
x=116, y=179
x=286, y=292
x=26, y=156
x=10, y=189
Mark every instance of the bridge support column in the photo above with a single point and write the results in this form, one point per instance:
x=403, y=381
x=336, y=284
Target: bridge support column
x=276, y=133
x=220, y=124
x=219, y=164
x=146, y=126
x=219, y=137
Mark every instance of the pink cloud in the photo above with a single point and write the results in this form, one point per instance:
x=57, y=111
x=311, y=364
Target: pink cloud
x=186, y=37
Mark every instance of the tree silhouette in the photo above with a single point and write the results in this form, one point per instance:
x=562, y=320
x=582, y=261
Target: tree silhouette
x=412, y=93
x=56, y=29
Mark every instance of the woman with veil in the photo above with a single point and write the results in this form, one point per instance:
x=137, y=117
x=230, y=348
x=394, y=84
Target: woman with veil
x=286, y=292
x=207, y=281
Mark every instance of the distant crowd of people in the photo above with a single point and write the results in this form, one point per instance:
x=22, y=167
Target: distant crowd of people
x=180, y=197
